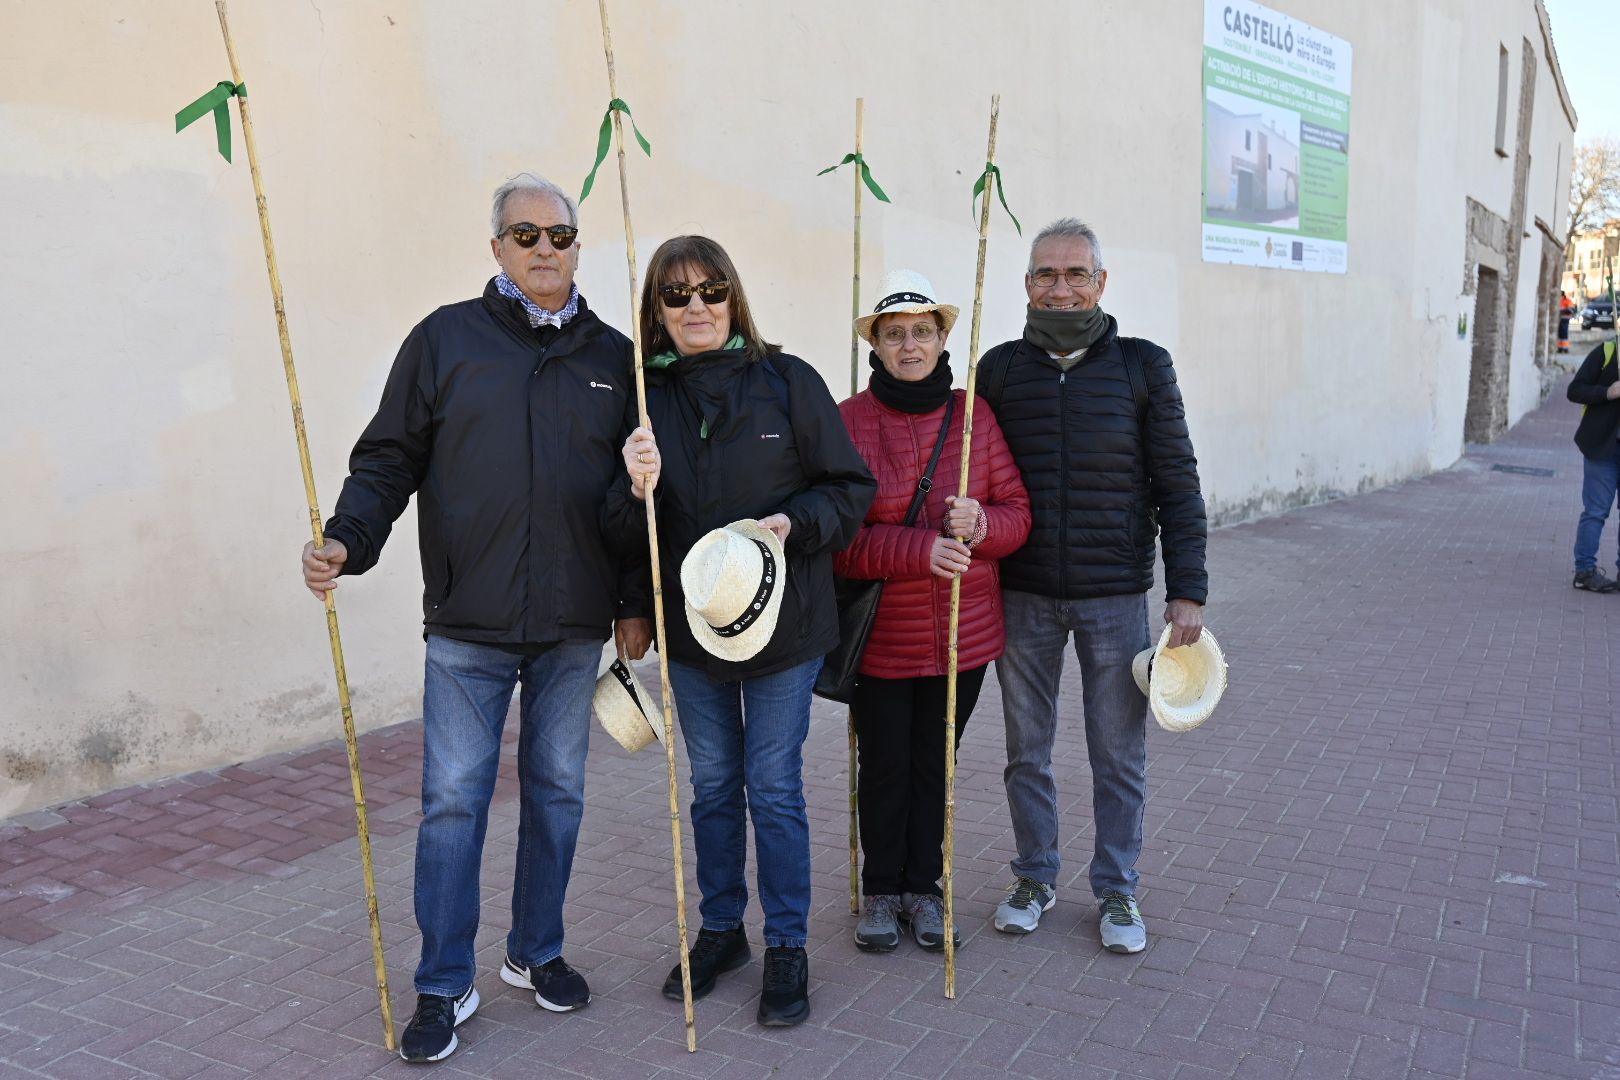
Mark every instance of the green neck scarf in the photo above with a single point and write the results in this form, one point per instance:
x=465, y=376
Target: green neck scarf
x=1064, y=331
x=668, y=358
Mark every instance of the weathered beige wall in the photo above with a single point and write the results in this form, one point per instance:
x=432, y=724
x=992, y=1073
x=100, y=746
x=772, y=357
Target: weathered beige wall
x=150, y=617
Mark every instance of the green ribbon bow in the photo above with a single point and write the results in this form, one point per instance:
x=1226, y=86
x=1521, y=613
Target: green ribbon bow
x=604, y=139
x=216, y=101
x=866, y=174
x=978, y=189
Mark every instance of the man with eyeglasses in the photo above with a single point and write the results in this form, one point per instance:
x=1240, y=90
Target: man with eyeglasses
x=504, y=416
x=1096, y=424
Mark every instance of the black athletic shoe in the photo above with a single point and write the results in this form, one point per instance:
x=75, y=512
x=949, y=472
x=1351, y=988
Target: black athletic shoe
x=431, y=1034
x=785, y=997
x=714, y=953
x=558, y=987
x=1595, y=581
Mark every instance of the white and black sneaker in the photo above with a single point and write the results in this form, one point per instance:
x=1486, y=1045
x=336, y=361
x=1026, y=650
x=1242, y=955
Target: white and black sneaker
x=557, y=987
x=431, y=1034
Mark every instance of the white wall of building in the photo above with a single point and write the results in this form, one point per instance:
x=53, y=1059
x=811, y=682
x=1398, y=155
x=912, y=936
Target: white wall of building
x=151, y=619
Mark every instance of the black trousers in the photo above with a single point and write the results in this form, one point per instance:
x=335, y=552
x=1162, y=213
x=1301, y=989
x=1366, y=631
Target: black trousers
x=901, y=788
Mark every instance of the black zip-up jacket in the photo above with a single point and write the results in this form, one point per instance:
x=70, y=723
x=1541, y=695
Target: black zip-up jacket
x=509, y=437
x=741, y=438
x=1100, y=487
x=1600, y=422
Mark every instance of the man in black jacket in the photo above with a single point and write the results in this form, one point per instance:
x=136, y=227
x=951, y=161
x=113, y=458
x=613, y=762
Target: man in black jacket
x=1598, y=435
x=504, y=416
x=1096, y=424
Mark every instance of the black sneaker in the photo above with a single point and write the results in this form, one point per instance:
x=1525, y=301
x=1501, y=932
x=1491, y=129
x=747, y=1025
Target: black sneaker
x=557, y=987
x=1595, y=581
x=431, y=1034
x=714, y=953
x=785, y=998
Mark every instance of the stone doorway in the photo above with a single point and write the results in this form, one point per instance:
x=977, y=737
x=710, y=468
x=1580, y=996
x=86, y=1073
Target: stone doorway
x=1486, y=417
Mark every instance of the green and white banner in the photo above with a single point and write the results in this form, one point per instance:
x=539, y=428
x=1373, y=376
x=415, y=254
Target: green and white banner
x=1276, y=140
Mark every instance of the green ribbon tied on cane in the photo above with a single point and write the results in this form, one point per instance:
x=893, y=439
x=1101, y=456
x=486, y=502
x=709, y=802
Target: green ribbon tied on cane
x=978, y=189
x=604, y=139
x=216, y=101
x=866, y=174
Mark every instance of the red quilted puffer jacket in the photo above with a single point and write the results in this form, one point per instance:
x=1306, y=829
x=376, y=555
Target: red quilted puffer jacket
x=913, y=621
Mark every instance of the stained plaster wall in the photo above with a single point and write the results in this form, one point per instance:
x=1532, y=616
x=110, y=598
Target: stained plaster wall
x=150, y=617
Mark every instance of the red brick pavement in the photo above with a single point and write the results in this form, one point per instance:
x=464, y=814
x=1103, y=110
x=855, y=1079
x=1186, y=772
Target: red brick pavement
x=1391, y=853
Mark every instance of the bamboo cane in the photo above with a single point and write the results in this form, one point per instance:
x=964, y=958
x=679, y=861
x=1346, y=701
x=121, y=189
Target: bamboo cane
x=956, y=582
x=315, y=528
x=854, y=388
x=652, y=545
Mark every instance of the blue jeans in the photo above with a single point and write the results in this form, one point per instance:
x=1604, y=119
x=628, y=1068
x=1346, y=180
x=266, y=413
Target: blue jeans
x=745, y=744
x=465, y=697
x=1598, y=486
x=1108, y=633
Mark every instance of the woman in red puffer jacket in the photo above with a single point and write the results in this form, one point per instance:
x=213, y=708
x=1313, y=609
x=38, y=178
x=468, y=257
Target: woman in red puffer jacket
x=899, y=703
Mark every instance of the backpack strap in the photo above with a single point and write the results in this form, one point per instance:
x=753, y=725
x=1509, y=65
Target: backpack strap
x=1132, y=348
x=778, y=381
x=994, y=384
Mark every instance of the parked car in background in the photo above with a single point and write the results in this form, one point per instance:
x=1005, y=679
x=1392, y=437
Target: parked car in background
x=1597, y=313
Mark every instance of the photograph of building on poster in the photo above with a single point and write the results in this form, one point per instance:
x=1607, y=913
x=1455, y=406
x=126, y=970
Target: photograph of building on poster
x=1276, y=140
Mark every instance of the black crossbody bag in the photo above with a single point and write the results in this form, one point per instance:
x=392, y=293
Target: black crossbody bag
x=858, y=598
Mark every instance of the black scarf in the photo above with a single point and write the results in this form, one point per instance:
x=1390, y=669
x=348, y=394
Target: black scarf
x=923, y=396
x=1064, y=332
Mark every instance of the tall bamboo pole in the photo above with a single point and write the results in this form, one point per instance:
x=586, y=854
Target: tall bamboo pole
x=652, y=545
x=854, y=388
x=320, y=540
x=956, y=582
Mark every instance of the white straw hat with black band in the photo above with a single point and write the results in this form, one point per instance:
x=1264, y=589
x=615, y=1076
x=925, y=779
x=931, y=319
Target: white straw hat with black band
x=621, y=704
x=733, y=579
x=905, y=292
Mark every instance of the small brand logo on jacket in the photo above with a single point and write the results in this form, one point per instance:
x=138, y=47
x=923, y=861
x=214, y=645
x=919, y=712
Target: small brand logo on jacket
x=770, y=436
x=600, y=385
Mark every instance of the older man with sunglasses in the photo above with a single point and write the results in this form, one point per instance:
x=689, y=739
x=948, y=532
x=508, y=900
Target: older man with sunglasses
x=504, y=416
x=1095, y=421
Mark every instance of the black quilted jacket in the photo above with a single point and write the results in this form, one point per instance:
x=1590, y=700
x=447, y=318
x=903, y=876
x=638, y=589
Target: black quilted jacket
x=1102, y=484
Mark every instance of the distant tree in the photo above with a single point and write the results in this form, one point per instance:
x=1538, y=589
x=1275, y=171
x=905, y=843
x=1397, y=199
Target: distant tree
x=1594, y=184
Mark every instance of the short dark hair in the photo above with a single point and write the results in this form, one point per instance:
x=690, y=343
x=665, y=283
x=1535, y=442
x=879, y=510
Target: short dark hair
x=701, y=252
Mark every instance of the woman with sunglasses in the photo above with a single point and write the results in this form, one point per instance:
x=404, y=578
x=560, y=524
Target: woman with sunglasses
x=899, y=704
x=744, y=431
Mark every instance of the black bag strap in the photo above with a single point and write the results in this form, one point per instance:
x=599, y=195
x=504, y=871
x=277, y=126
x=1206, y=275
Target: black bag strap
x=995, y=384
x=926, y=484
x=1133, y=370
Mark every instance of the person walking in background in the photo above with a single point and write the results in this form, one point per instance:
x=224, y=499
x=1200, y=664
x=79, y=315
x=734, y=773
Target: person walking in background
x=1566, y=311
x=897, y=424
x=1598, y=435
x=1096, y=424
x=748, y=442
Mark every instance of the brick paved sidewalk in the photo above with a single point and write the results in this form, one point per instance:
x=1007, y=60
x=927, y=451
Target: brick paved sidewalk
x=1391, y=853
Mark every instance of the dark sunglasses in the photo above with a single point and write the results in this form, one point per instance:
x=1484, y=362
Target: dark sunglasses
x=679, y=294
x=527, y=235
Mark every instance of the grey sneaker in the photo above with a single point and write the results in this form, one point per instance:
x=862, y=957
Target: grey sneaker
x=1020, y=912
x=1595, y=581
x=879, y=928
x=1121, y=925
x=926, y=914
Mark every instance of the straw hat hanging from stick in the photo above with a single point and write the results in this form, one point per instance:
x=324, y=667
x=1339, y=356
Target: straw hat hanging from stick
x=988, y=180
x=652, y=540
x=315, y=528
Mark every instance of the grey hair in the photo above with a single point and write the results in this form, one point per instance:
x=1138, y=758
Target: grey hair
x=528, y=181
x=1069, y=229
